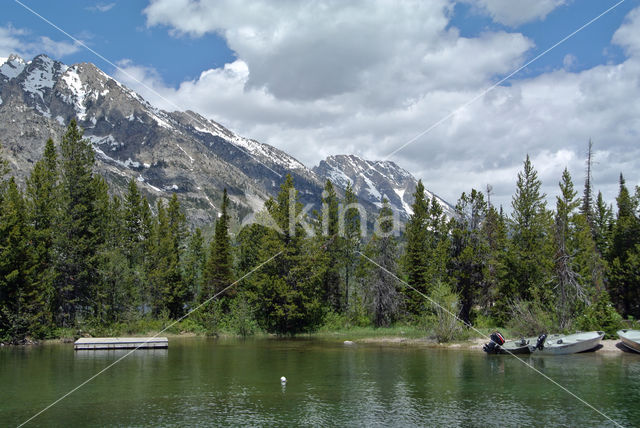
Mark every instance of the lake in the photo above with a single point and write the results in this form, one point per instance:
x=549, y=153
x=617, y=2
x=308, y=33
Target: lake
x=231, y=382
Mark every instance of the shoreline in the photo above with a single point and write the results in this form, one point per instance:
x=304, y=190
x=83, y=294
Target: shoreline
x=609, y=346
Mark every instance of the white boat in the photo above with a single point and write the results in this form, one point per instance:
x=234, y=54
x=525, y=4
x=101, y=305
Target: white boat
x=563, y=344
x=630, y=339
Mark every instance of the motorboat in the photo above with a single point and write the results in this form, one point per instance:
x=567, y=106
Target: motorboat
x=525, y=345
x=563, y=344
x=630, y=339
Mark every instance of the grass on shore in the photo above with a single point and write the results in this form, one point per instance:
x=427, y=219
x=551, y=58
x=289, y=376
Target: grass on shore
x=335, y=327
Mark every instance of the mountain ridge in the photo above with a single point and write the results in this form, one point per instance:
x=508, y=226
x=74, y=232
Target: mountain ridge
x=166, y=152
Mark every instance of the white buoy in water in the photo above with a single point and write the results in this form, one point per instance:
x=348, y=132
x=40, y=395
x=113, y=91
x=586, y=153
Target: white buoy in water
x=283, y=379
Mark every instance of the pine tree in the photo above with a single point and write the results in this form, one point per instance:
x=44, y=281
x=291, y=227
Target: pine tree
x=78, y=234
x=42, y=212
x=587, y=208
x=136, y=240
x=494, y=231
x=175, y=292
x=603, y=225
x=285, y=292
x=625, y=239
x=167, y=290
x=530, y=254
x=415, y=260
x=218, y=272
x=20, y=302
x=248, y=241
x=570, y=288
x=470, y=250
x=4, y=170
x=383, y=297
x=438, y=245
x=329, y=251
x=195, y=258
x=135, y=227
x=117, y=291
x=350, y=215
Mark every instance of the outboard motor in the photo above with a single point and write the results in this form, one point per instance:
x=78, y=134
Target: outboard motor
x=540, y=342
x=493, y=347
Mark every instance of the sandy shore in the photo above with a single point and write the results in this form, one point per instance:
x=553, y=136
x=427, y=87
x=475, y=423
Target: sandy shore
x=612, y=346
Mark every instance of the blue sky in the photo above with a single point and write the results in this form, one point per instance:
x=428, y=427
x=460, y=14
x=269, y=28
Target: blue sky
x=120, y=32
x=591, y=47
x=366, y=77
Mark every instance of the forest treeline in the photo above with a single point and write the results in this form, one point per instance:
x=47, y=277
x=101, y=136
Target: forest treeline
x=74, y=257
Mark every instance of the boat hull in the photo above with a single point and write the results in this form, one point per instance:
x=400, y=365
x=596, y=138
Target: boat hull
x=630, y=339
x=572, y=343
x=518, y=346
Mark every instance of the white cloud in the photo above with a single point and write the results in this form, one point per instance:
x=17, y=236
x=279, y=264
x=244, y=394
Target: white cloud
x=101, y=7
x=55, y=48
x=21, y=42
x=284, y=90
x=516, y=12
x=313, y=50
x=569, y=61
x=9, y=40
x=628, y=35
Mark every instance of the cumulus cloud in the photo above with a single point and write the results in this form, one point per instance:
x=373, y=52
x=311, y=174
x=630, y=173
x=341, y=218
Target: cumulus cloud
x=516, y=12
x=388, y=82
x=20, y=41
x=312, y=50
x=9, y=40
x=57, y=49
x=628, y=35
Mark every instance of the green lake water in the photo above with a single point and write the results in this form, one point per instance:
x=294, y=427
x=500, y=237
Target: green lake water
x=208, y=382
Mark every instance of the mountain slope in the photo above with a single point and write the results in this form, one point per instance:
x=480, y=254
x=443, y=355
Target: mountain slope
x=374, y=180
x=167, y=152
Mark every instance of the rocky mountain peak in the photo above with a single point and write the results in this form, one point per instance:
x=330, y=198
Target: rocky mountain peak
x=373, y=181
x=169, y=152
x=12, y=67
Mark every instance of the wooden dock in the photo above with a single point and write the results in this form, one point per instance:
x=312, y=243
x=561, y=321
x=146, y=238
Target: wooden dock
x=91, y=343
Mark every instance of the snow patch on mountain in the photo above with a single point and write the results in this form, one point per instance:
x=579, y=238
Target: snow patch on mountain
x=371, y=188
x=261, y=152
x=41, y=77
x=12, y=67
x=338, y=177
x=373, y=181
x=107, y=140
x=78, y=93
x=185, y=152
x=405, y=206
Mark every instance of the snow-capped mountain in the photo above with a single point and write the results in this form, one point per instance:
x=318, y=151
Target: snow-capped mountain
x=374, y=180
x=166, y=152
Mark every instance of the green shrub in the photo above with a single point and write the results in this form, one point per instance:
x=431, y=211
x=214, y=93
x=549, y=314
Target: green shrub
x=485, y=322
x=446, y=326
x=209, y=318
x=601, y=315
x=334, y=321
x=241, y=319
x=531, y=318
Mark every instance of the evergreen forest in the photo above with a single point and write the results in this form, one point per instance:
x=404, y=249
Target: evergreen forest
x=76, y=259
